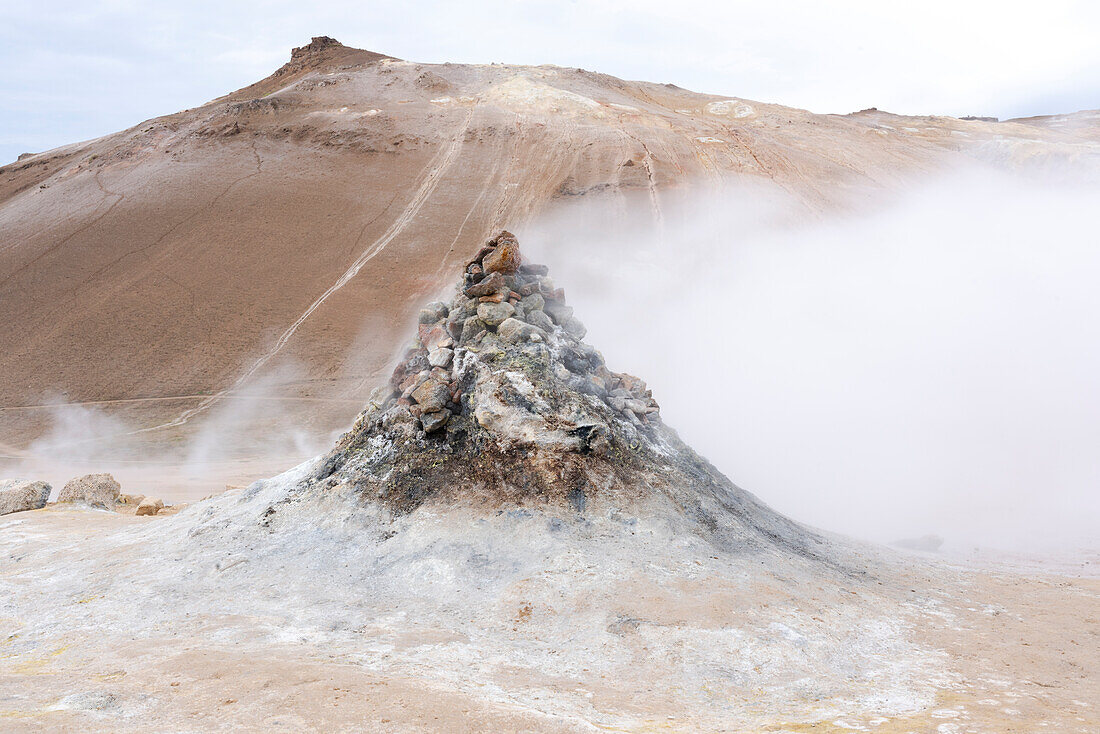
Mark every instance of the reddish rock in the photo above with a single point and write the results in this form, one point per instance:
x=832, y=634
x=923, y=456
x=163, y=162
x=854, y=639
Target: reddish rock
x=487, y=287
x=505, y=258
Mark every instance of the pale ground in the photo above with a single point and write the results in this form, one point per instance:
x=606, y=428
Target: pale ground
x=333, y=620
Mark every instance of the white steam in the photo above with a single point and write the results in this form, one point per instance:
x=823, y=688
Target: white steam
x=928, y=365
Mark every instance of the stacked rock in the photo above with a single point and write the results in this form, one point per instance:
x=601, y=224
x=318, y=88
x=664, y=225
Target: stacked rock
x=518, y=303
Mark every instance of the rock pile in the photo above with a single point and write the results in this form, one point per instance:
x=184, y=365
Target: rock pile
x=501, y=405
x=503, y=304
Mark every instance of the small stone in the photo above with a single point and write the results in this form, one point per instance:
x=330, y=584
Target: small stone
x=20, y=495
x=97, y=490
x=541, y=320
x=487, y=287
x=573, y=327
x=470, y=328
x=528, y=288
x=432, y=395
x=495, y=298
x=534, y=269
x=515, y=331
x=437, y=337
x=505, y=257
x=533, y=302
x=558, y=311
x=494, y=313
x=432, y=422
x=149, y=506
x=441, y=357
x=482, y=253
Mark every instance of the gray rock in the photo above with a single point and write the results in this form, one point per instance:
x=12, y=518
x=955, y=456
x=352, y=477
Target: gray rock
x=515, y=331
x=432, y=312
x=494, y=313
x=573, y=327
x=541, y=320
x=432, y=422
x=533, y=302
x=558, y=311
x=470, y=328
x=441, y=357
x=432, y=395
x=97, y=490
x=20, y=495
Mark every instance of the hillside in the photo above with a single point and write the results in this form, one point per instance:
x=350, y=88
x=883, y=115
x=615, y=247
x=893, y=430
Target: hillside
x=301, y=220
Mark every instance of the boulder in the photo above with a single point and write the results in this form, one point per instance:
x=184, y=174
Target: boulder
x=432, y=395
x=505, y=257
x=97, y=490
x=149, y=506
x=20, y=495
x=494, y=313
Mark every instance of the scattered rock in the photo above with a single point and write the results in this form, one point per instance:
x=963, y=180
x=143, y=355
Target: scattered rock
x=20, y=495
x=149, y=506
x=96, y=490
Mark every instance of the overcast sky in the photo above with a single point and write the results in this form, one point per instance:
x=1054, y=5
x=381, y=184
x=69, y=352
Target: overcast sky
x=75, y=70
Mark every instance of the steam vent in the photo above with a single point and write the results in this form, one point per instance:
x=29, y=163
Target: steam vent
x=501, y=403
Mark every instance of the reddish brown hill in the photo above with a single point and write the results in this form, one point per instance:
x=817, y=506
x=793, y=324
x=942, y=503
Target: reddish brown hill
x=279, y=224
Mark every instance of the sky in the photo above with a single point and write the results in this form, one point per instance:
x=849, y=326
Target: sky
x=71, y=71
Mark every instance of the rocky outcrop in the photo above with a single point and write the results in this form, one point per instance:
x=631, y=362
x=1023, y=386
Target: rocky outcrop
x=149, y=506
x=20, y=495
x=95, y=490
x=500, y=403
